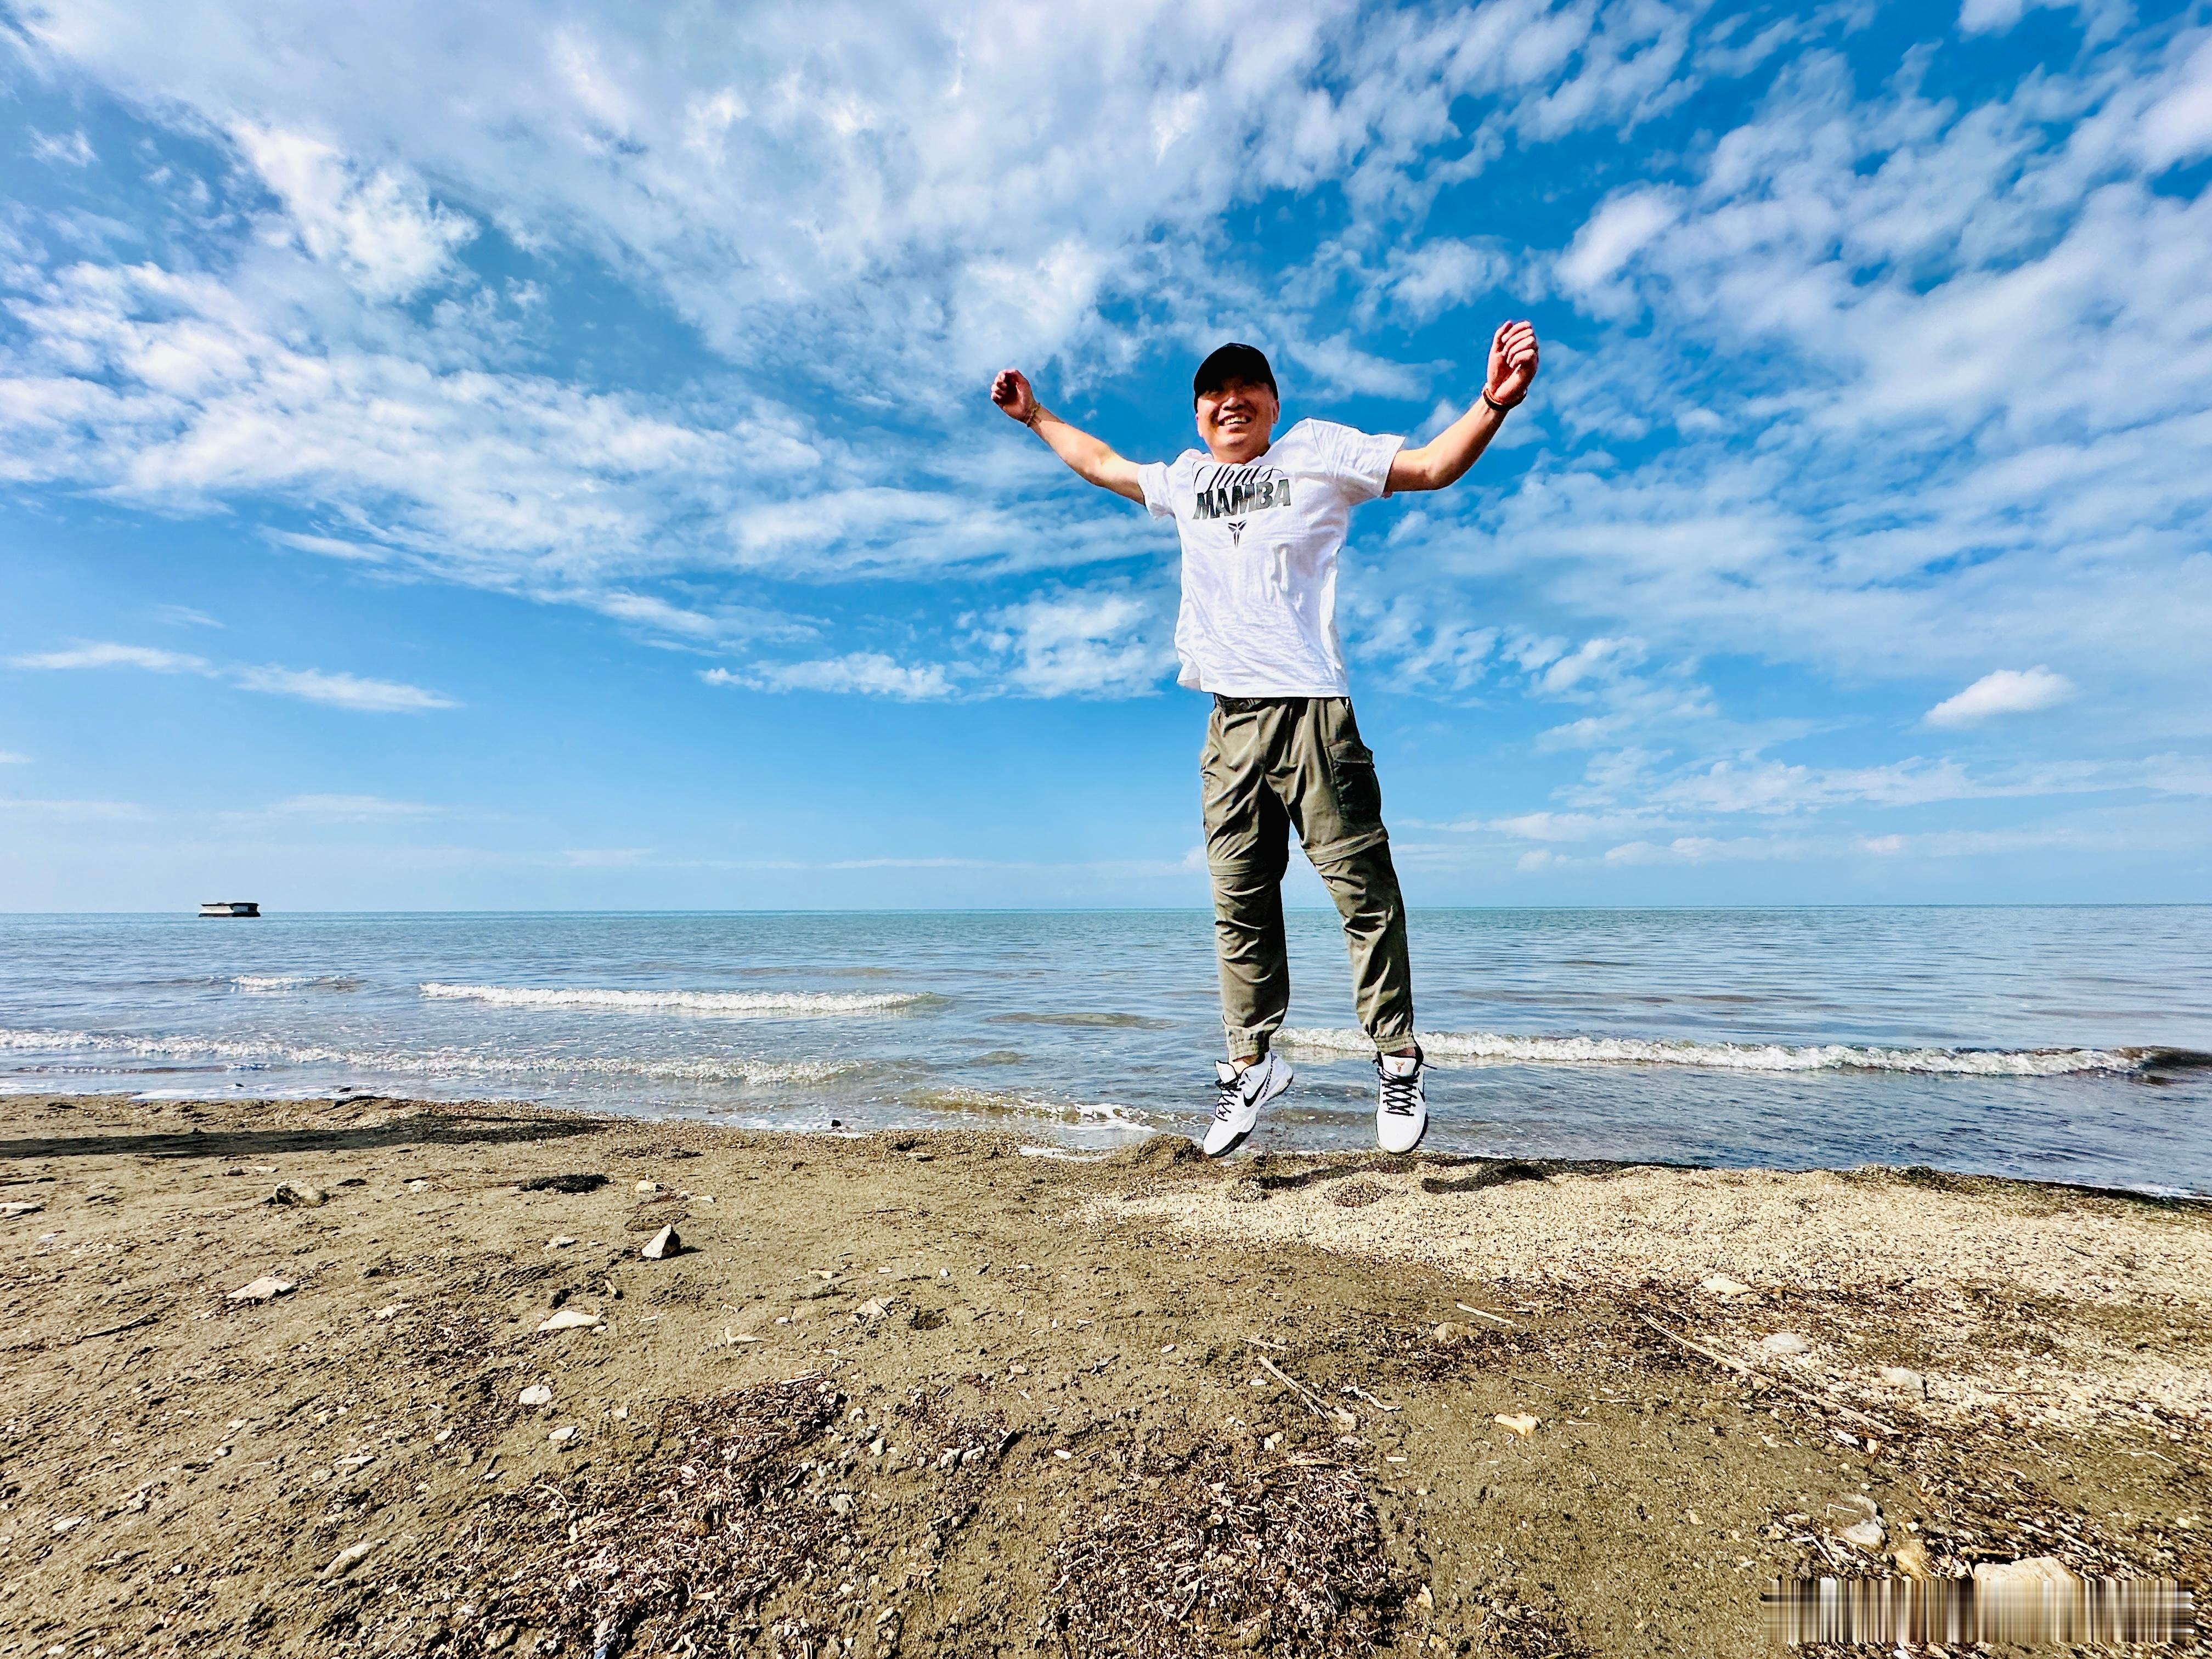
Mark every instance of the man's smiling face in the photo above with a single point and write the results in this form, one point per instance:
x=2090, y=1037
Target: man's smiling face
x=1236, y=420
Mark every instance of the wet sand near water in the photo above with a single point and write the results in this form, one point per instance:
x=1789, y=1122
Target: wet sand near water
x=925, y=1394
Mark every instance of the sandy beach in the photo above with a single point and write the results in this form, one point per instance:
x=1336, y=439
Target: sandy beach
x=932, y=1393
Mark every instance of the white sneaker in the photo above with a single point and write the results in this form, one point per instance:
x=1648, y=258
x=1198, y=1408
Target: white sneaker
x=1238, y=1096
x=1401, y=1113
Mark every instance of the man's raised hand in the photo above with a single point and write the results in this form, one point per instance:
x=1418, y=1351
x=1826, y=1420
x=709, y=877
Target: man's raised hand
x=1011, y=391
x=1512, y=363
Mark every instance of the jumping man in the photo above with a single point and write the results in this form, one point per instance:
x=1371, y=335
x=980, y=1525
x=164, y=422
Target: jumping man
x=1262, y=521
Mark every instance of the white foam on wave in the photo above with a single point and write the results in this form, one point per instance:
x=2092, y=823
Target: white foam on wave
x=1008, y=1102
x=428, y=1062
x=272, y=984
x=756, y=1003
x=1488, y=1048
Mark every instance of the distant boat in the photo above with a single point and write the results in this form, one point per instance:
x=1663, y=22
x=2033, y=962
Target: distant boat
x=230, y=908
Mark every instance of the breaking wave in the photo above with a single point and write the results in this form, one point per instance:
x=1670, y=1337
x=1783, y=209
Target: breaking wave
x=1488, y=1048
x=1007, y=1102
x=272, y=984
x=756, y=1004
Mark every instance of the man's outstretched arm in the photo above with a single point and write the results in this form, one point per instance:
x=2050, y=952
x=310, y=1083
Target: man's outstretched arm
x=1445, y=457
x=1087, y=455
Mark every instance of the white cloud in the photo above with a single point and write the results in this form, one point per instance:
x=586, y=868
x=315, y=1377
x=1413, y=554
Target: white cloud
x=870, y=674
x=69, y=149
x=1613, y=236
x=109, y=655
x=388, y=237
x=342, y=690
x=339, y=690
x=351, y=809
x=1112, y=644
x=10, y=757
x=2007, y=691
x=2178, y=127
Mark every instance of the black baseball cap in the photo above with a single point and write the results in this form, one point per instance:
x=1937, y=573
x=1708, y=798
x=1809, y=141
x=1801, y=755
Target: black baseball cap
x=1232, y=362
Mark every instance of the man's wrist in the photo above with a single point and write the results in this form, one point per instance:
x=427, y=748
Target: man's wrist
x=1502, y=409
x=1037, y=412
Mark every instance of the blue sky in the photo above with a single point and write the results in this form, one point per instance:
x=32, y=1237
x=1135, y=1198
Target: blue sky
x=490, y=457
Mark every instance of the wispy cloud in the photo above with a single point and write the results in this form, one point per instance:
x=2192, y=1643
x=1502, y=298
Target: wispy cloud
x=871, y=673
x=10, y=757
x=116, y=656
x=342, y=690
x=351, y=809
x=336, y=690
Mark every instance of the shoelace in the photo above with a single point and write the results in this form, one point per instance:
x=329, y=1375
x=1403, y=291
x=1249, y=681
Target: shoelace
x=1400, y=1095
x=1228, y=1097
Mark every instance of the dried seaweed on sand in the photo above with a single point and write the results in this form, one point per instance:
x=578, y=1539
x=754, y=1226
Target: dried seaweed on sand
x=1200, y=1551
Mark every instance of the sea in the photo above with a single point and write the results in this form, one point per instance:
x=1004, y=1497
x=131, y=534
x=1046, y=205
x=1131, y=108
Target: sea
x=2069, y=1044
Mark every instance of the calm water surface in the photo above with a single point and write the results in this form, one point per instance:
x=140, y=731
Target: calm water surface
x=2055, y=1043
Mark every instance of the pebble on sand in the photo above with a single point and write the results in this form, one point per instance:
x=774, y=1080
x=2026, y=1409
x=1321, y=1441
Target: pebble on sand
x=351, y=1557
x=537, y=1394
x=1722, y=1285
x=564, y=1435
x=662, y=1244
x=1519, y=1422
x=559, y=1242
x=570, y=1319
x=262, y=1288
x=1785, y=1342
x=1898, y=1377
x=648, y=1186
x=1865, y=1534
x=23, y=1207
x=297, y=1195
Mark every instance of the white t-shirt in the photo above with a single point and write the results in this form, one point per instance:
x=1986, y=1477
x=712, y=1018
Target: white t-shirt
x=1260, y=547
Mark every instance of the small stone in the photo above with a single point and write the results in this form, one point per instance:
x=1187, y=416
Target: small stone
x=1899, y=1376
x=1785, y=1342
x=297, y=1195
x=559, y=1242
x=1519, y=1422
x=842, y=1504
x=351, y=1557
x=1911, y=1558
x=1722, y=1285
x=537, y=1394
x=23, y=1207
x=70, y=1524
x=262, y=1288
x=1447, y=1334
x=648, y=1186
x=570, y=1319
x=662, y=1245
x=921, y=1157
x=1865, y=1534
x=385, y=1314
x=564, y=1435
x=872, y=1309
x=2023, y=1579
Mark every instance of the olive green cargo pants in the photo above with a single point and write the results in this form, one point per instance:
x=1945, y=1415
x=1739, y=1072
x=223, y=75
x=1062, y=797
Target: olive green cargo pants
x=1275, y=765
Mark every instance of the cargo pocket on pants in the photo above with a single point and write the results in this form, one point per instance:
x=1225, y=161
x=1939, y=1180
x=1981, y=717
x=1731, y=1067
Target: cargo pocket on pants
x=1358, y=795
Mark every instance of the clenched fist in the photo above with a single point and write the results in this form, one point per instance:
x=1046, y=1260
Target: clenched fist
x=1011, y=391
